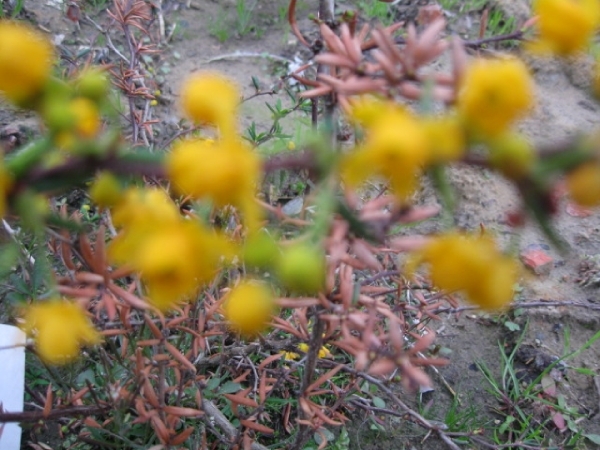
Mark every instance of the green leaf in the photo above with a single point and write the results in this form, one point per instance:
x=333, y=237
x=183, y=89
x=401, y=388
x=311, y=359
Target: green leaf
x=343, y=440
x=230, y=388
x=323, y=433
x=9, y=256
x=506, y=424
x=378, y=402
x=584, y=371
x=212, y=384
x=512, y=326
x=42, y=270
x=21, y=161
x=86, y=375
x=595, y=438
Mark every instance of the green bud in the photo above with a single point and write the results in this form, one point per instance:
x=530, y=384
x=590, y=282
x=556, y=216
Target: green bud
x=301, y=269
x=261, y=251
x=92, y=84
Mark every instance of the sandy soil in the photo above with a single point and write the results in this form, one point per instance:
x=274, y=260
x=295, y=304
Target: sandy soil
x=563, y=108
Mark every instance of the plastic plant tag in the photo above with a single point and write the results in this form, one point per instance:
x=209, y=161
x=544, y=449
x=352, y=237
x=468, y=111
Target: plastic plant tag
x=12, y=382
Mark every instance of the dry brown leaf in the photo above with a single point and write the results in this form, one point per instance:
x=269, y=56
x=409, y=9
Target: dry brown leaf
x=257, y=426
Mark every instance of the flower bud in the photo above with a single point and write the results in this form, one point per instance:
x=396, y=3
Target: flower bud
x=301, y=269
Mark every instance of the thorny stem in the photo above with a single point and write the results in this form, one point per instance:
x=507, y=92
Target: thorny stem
x=315, y=344
x=515, y=35
x=476, y=43
x=326, y=14
x=418, y=418
x=327, y=10
x=214, y=414
x=34, y=416
x=161, y=385
x=134, y=52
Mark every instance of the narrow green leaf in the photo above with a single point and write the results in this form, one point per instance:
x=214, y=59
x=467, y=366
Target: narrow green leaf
x=595, y=438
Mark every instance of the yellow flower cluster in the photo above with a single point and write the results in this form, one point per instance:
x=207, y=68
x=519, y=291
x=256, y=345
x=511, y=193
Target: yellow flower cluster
x=26, y=59
x=59, y=329
x=323, y=351
x=471, y=264
x=210, y=99
x=395, y=148
x=174, y=256
x=398, y=145
x=225, y=171
x=71, y=110
x=565, y=26
x=446, y=139
x=72, y=120
x=249, y=307
x=493, y=94
x=105, y=191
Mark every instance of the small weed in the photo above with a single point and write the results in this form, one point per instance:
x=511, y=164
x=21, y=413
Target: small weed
x=376, y=10
x=282, y=11
x=448, y=4
x=462, y=6
x=498, y=24
x=14, y=8
x=96, y=5
x=529, y=410
x=219, y=28
x=244, y=17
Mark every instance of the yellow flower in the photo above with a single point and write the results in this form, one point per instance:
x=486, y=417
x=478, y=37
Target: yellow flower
x=174, y=261
x=145, y=207
x=367, y=110
x=174, y=256
x=87, y=117
x=323, y=351
x=140, y=213
x=226, y=172
x=105, y=191
x=25, y=62
x=303, y=347
x=396, y=148
x=583, y=184
x=446, y=139
x=565, y=26
x=471, y=264
x=59, y=328
x=290, y=356
x=209, y=98
x=249, y=308
x=494, y=94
